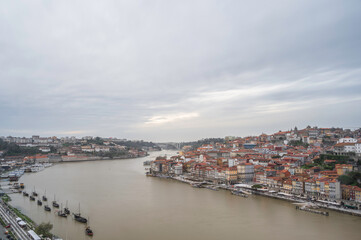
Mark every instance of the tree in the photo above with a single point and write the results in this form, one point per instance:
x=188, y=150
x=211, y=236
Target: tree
x=44, y=229
x=344, y=179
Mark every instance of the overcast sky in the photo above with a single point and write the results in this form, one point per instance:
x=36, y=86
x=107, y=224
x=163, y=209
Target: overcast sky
x=178, y=70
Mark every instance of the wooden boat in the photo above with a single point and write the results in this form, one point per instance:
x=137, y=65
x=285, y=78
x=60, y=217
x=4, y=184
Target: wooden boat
x=79, y=218
x=61, y=213
x=66, y=209
x=88, y=231
x=44, y=197
x=55, y=204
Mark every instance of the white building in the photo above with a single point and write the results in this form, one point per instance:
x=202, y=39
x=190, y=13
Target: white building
x=178, y=169
x=347, y=140
x=87, y=149
x=334, y=190
x=44, y=149
x=231, y=162
x=101, y=149
x=349, y=147
x=245, y=172
x=358, y=147
x=345, y=147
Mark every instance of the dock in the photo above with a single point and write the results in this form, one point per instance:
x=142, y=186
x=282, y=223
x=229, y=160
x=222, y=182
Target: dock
x=312, y=210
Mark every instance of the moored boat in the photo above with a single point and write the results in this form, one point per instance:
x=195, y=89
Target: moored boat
x=55, y=204
x=238, y=193
x=47, y=208
x=66, y=209
x=62, y=214
x=88, y=231
x=34, y=193
x=79, y=218
x=13, y=177
x=44, y=197
x=40, y=203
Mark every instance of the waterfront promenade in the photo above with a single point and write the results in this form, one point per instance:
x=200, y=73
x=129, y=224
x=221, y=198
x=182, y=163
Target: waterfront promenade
x=286, y=197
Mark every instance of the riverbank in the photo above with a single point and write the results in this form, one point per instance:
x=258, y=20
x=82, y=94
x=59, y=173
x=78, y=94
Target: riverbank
x=11, y=217
x=119, y=199
x=284, y=197
x=92, y=159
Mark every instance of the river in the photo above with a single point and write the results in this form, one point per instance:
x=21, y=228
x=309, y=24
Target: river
x=122, y=203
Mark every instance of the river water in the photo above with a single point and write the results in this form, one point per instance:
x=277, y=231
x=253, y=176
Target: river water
x=122, y=203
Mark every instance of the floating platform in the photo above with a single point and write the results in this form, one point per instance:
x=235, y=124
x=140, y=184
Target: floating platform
x=241, y=194
x=312, y=210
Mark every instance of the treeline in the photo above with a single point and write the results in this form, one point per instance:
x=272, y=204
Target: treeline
x=340, y=159
x=298, y=143
x=320, y=162
x=96, y=140
x=12, y=149
x=113, y=153
x=138, y=144
x=199, y=143
x=129, y=144
x=351, y=178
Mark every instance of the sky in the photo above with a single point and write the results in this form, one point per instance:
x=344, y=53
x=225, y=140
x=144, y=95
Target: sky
x=178, y=70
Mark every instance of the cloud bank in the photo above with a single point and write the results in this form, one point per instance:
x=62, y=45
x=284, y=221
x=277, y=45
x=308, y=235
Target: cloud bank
x=178, y=70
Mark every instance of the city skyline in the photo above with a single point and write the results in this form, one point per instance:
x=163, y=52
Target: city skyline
x=178, y=71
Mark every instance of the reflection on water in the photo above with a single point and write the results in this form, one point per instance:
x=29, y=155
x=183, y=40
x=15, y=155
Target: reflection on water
x=121, y=203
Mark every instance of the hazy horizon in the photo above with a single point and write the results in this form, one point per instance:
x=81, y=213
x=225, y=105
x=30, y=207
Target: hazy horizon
x=178, y=71
x=189, y=140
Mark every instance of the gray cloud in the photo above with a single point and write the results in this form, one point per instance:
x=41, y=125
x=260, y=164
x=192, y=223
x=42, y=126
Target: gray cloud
x=167, y=70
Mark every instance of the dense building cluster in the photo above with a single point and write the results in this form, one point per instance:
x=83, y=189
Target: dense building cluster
x=307, y=162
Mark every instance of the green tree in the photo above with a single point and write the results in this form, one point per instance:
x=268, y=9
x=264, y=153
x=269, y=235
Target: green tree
x=344, y=179
x=44, y=229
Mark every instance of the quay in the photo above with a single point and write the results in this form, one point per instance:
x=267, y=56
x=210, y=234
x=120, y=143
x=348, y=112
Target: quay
x=280, y=196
